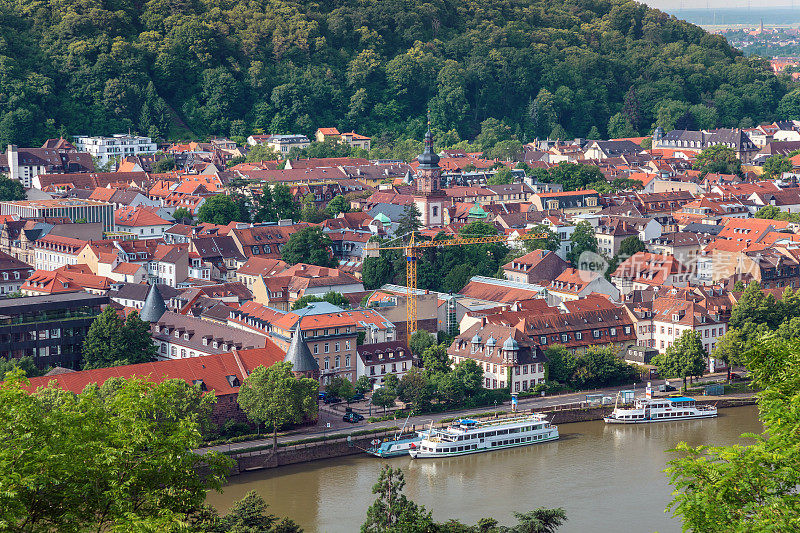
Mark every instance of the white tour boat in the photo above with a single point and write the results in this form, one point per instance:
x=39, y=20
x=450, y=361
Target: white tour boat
x=468, y=436
x=646, y=410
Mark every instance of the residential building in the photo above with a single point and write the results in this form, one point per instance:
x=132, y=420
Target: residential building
x=170, y=264
x=606, y=325
x=686, y=247
x=569, y=202
x=377, y=360
x=13, y=273
x=283, y=144
x=737, y=139
x=257, y=267
x=506, y=355
x=141, y=222
x=643, y=270
x=50, y=329
x=52, y=252
x=537, y=267
x=608, y=149
x=116, y=147
x=72, y=209
x=65, y=279
x=573, y=284
x=303, y=280
x=134, y=294
x=180, y=336
x=25, y=164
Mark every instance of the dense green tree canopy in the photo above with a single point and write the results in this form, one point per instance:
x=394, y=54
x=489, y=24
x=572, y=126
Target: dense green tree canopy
x=273, y=395
x=309, y=245
x=223, y=209
x=536, y=67
x=718, y=158
x=752, y=485
x=11, y=190
x=101, y=460
x=112, y=341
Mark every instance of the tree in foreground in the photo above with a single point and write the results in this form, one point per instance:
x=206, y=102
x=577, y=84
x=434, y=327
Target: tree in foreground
x=113, y=342
x=275, y=396
x=752, y=487
x=309, y=245
x=249, y=515
x=583, y=240
x=393, y=512
x=685, y=358
x=89, y=461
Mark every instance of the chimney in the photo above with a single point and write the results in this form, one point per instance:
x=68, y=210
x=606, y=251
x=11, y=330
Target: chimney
x=13, y=162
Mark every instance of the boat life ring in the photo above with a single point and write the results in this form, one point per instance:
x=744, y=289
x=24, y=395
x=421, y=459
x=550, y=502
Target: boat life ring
x=375, y=442
x=412, y=445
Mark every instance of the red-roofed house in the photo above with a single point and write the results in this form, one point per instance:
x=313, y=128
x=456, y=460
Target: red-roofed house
x=573, y=284
x=539, y=266
x=221, y=373
x=644, y=270
x=142, y=222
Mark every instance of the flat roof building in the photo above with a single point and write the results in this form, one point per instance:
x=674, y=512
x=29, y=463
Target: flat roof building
x=50, y=328
x=74, y=209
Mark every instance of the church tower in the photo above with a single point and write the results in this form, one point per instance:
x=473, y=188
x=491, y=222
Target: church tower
x=429, y=198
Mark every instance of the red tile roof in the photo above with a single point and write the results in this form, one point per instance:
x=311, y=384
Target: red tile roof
x=212, y=370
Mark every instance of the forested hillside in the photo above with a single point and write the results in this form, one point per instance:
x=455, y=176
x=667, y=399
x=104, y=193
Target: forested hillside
x=232, y=67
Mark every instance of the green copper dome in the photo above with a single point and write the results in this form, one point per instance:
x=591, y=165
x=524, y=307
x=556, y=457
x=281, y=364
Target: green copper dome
x=477, y=212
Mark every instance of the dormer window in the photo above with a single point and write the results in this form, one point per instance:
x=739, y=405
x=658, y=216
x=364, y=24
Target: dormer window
x=216, y=344
x=177, y=334
x=200, y=383
x=186, y=336
x=233, y=380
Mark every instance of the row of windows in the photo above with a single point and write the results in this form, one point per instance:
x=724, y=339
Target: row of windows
x=523, y=385
x=373, y=372
x=327, y=347
x=326, y=365
x=597, y=333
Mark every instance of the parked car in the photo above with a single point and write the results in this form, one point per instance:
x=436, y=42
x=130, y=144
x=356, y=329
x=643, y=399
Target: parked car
x=357, y=398
x=321, y=395
x=352, y=417
x=666, y=388
x=332, y=399
x=735, y=376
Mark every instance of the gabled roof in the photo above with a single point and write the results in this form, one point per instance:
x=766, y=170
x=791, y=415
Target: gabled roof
x=213, y=371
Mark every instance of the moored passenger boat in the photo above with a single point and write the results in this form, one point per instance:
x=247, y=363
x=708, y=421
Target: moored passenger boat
x=646, y=410
x=467, y=436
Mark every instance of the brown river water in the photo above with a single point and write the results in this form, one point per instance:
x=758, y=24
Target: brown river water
x=607, y=478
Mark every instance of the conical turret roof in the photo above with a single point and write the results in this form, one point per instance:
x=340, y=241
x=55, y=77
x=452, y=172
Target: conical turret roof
x=154, y=306
x=299, y=355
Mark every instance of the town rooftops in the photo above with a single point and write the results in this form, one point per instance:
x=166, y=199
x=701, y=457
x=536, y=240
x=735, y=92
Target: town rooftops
x=222, y=373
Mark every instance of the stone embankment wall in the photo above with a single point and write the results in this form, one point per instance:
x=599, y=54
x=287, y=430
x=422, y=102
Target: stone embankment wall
x=302, y=453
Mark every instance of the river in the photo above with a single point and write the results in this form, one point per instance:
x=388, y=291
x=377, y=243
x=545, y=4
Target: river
x=607, y=478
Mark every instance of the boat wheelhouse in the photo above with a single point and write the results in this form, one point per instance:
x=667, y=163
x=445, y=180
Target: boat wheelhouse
x=647, y=410
x=467, y=436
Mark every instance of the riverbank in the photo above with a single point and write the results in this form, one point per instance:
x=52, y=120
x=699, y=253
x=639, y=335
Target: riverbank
x=332, y=447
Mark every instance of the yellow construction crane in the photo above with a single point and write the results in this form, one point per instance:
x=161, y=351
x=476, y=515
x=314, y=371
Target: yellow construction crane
x=412, y=256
